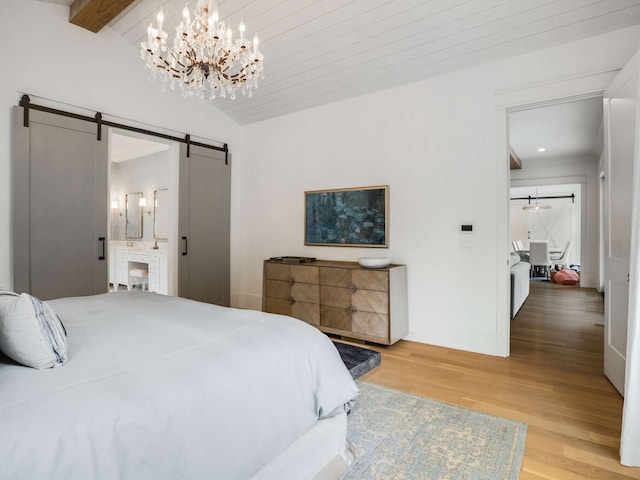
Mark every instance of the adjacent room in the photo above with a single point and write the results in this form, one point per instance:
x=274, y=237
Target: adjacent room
x=320, y=240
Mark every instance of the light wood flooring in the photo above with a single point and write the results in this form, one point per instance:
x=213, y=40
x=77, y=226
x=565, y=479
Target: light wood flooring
x=552, y=381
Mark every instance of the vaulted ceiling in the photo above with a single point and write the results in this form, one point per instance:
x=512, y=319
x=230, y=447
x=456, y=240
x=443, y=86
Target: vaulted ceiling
x=321, y=51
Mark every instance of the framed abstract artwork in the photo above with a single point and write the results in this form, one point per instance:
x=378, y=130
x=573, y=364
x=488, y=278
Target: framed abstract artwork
x=348, y=217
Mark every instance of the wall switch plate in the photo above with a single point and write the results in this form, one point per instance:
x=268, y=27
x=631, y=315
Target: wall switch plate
x=465, y=244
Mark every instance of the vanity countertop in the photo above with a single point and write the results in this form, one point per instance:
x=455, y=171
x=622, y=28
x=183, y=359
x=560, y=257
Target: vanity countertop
x=138, y=247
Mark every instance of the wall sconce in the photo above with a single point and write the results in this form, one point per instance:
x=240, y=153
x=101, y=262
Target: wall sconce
x=143, y=203
x=114, y=208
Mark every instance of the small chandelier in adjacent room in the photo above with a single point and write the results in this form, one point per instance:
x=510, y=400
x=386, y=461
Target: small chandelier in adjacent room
x=204, y=57
x=536, y=206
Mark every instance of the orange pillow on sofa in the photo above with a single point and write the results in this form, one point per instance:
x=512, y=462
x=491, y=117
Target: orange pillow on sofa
x=566, y=277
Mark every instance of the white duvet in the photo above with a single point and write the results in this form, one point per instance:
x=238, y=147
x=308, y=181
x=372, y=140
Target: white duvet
x=160, y=387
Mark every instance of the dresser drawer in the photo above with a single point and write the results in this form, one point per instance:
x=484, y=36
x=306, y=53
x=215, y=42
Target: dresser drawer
x=278, y=305
x=302, y=292
x=307, y=312
x=335, y=318
x=366, y=325
x=370, y=280
x=305, y=292
x=367, y=300
x=297, y=273
x=370, y=301
x=371, y=324
x=336, y=277
x=335, y=296
x=278, y=289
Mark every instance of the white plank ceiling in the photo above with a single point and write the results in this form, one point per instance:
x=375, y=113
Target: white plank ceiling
x=321, y=51
x=570, y=129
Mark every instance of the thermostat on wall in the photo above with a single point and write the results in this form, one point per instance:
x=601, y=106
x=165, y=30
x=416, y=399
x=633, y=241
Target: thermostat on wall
x=466, y=228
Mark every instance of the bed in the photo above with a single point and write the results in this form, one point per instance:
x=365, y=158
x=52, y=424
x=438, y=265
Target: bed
x=160, y=387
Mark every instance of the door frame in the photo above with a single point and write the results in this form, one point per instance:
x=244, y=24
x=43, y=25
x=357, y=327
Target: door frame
x=560, y=91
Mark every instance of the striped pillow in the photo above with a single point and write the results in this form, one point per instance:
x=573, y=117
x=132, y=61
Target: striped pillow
x=30, y=331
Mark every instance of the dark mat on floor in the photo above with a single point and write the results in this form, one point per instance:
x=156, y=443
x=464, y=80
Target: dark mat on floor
x=358, y=360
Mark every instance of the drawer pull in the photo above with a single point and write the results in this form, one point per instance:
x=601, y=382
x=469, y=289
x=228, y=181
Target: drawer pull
x=292, y=282
x=351, y=288
x=292, y=300
x=351, y=310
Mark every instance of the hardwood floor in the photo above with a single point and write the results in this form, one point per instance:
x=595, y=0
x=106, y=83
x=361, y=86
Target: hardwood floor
x=553, y=382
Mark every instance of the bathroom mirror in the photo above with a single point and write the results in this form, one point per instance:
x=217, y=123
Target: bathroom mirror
x=161, y=214
x=133, y=214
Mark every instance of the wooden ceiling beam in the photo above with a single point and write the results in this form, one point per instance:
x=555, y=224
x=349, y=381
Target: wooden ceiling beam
x=514, y=161
x=95, y=14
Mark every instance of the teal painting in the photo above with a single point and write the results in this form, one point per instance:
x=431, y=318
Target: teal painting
x=353, y=217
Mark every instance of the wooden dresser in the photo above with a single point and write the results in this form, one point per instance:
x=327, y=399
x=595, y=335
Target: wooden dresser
x=341, y=298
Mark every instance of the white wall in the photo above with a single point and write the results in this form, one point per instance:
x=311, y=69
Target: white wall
x=571, y=170
x=434, y=143
x=48, y=56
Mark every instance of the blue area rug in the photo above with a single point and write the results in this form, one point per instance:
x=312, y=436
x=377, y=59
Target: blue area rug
x=358, y=360
x=396, y=435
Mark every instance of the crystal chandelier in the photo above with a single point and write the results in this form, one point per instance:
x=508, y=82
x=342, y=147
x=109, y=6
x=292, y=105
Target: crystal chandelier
x=204, y=58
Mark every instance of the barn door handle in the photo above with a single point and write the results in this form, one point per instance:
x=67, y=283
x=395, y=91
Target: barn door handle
x=186, y=246
x=102, y=257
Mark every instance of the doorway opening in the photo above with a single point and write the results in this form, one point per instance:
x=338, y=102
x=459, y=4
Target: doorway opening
x=143, y=218
x=559, y=146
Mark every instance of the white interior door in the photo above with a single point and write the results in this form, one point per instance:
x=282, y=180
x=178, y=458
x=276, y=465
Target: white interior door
x=620, y=157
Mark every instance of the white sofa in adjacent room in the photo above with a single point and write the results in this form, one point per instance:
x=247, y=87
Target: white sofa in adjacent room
x=519, y=282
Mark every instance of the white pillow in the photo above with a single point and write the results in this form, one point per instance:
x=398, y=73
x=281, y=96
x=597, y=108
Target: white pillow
x=30, y=331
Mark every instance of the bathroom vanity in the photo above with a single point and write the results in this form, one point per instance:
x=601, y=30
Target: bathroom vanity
x=123, y=259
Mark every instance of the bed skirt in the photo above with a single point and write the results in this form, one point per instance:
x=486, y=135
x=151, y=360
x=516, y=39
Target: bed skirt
x=320, y=454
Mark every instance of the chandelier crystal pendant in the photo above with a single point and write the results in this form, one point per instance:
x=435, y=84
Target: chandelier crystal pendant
x=204, y=57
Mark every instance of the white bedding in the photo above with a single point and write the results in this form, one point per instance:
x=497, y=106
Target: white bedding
x=160, y=387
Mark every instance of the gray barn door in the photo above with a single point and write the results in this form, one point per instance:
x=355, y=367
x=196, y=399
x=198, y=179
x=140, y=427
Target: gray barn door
x=59, y=205
x=204, y=226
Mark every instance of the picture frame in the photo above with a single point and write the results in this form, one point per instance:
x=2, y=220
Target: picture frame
x=347, y=217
